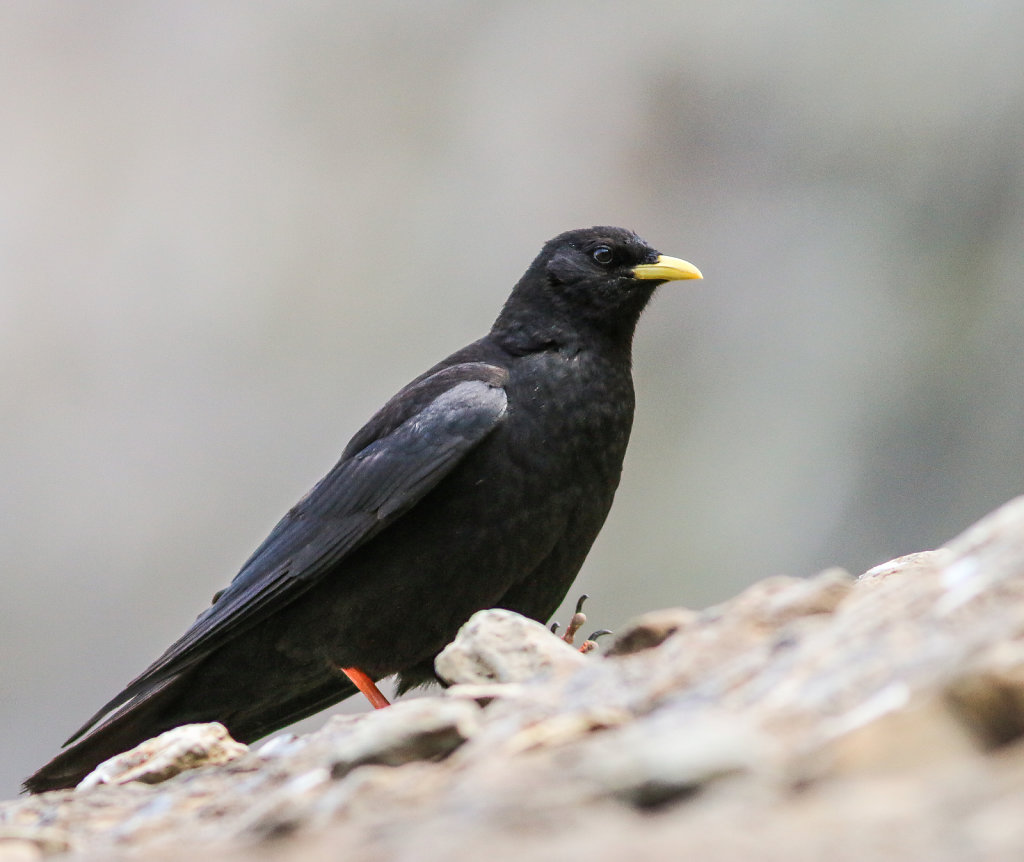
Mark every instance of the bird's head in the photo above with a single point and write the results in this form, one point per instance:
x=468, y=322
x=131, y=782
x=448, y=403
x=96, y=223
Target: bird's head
x=594, y=279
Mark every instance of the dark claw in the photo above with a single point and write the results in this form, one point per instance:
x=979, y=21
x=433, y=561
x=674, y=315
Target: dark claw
x=554, y=628
x=590, y=644
x=579, y=604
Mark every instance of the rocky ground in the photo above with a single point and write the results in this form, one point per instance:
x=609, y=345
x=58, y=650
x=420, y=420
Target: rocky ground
x=870, y=718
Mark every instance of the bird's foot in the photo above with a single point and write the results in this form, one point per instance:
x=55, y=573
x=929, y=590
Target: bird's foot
x=579, y=619
x=367, y=686
x=590, y=643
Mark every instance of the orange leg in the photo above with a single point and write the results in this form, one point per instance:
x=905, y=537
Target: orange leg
x=367, y=686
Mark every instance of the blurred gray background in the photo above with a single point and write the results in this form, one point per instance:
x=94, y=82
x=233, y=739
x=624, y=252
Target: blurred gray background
x=229, y=231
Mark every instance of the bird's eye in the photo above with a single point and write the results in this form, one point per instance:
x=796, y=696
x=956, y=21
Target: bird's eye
x=603, y=255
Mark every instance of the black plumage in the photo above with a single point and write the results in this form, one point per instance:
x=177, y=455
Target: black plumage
x=483, y=483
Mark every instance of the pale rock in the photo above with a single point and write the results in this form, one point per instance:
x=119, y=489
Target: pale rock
x=564, y=728
x=896, y=734
x=879, y=719
x=19, y=850
x=27, y=845
x=986, y=556
x=651, y=629
x=907, y=565
x=420, y=729
x=484, y=693
x=660, y=759
x=501, y=646
x=780, y=599
x=164, y=756
x=988, y=695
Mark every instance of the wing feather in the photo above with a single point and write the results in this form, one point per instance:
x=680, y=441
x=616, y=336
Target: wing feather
x=365, y=492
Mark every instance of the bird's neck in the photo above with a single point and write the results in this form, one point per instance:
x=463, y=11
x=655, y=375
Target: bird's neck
x=542, y=323
x=520, y=337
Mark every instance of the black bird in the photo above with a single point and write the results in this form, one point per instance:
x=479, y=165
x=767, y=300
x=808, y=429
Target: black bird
x=483, y=483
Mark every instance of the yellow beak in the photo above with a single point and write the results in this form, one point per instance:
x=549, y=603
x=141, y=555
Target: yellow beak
x=666, y=269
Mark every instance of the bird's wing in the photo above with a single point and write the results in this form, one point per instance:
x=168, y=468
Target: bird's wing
x=405, y=450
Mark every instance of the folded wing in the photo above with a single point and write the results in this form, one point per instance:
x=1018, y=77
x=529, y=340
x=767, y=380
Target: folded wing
x=410, y=446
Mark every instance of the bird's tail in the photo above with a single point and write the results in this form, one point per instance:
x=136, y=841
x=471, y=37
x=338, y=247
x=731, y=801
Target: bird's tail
x=135, y=722
x=177, y=700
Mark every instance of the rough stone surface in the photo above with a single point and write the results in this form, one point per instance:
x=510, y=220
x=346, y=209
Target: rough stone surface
x=879, y=718
x=164, y=756
x=501, y=646
x=651, y=630
x=405, y=732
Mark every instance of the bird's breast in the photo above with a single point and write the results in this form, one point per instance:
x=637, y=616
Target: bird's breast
x=569, y=418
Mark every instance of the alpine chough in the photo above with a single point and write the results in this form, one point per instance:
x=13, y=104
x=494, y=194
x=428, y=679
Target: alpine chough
x=483, y=483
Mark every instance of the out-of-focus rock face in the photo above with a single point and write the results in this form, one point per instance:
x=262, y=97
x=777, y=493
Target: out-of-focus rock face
x=876, y=718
